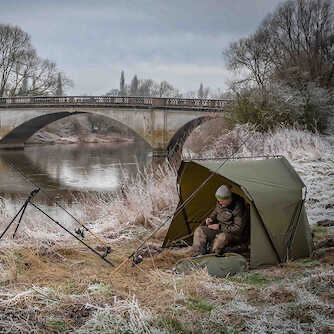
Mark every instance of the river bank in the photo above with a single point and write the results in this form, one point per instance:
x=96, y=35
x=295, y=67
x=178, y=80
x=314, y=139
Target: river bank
x=81, y=129
x=46, y=138
x=49, y=283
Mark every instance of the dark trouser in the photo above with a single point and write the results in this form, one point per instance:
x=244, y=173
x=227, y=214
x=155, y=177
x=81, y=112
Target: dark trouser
x=204, y=235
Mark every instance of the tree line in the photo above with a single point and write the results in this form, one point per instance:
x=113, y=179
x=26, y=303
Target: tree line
x=151, y=88
x=285, y=69
x=22, y=71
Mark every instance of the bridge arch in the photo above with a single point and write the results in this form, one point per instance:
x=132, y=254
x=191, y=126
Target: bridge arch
x=20, y=134
x=175, y=145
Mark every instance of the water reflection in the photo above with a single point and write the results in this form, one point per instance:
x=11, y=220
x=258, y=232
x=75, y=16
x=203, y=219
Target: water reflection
x=63, y=168
x=64, y=172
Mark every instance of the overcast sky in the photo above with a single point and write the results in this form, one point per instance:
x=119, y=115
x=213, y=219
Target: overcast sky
x=180, y=41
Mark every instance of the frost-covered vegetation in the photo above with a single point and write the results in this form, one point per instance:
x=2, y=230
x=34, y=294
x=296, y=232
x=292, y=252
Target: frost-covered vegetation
x=284, y=68
x=50, y=283
x=141, y=204
x=311, y=154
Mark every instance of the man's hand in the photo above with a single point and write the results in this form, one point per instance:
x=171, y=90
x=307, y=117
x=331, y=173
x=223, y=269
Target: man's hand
x=208, y=221
x=214, y=226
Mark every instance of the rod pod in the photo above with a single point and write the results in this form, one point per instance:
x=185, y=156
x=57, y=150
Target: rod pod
x=22, y=211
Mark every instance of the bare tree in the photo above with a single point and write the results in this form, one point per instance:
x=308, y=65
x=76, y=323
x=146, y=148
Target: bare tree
x=14, y=47
x=59, y=89
x=166, y=89
x=151, y=88
x=203, y=93
x=146, y=87
x=24, y=87
x=291, y=51
x=294, y=44
x=134, y=86
x=20, y=65
x=114, y=92
x=200, y=93
x=251, y=54
x=190, y=94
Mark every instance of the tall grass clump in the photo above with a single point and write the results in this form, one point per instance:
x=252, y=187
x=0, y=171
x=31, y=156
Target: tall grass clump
x=294, y=143
x=140, y=205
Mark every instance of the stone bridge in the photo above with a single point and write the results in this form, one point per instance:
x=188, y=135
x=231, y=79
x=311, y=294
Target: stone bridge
x=164, y=123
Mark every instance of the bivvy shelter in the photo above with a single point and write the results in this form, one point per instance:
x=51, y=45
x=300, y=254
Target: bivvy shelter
x=274, y=197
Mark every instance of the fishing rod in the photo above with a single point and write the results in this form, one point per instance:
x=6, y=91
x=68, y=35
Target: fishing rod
x=78, y=231
x=22, y=210
x=138, y=259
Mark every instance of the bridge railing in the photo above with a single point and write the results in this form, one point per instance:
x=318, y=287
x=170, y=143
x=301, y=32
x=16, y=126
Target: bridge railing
x=196, y=102
x=113, y=100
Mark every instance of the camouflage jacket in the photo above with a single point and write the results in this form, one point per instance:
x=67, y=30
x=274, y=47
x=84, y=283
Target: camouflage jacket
x=231, y=219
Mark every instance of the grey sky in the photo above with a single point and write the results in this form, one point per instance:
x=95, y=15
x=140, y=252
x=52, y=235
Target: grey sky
x=180, y=41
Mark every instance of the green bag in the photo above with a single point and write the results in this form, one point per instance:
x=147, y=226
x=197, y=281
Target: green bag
x=218, y=266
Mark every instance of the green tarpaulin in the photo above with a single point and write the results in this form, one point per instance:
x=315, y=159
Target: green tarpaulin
x=219, y=266
x=273, y=192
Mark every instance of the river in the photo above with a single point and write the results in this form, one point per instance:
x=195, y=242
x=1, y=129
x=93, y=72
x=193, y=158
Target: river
x=76, y=167
x=62, y=170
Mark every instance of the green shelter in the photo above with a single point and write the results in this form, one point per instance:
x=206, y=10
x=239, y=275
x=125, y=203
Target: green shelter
x=273, y=193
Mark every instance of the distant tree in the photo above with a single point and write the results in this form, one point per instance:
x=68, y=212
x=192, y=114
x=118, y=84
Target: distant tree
x=177, y=94
x=200, y=93
x=155, y=89
x=24, y=87
x=302, y=42
x=190, y=94
x=294, y=44
x=59, y=90
x=149, y=87
x=290, y=57
x=122, y=90
x=145, y=87
x=134, y=86
x=203, y=93
x=19, y=62
x=33, y=83
x=250, y=56
x=114, y=92
x=221, y=95
x=166, y=89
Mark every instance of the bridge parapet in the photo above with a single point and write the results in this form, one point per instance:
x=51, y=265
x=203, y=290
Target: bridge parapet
x=144, y=102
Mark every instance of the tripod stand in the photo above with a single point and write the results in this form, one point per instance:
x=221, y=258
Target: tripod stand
x=22, y=210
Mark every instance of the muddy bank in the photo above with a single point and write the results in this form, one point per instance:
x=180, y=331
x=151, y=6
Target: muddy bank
x=81, y=129
x=51, y=138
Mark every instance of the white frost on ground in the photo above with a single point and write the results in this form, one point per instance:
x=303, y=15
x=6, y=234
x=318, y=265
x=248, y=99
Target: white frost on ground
x=144, y=204
x=311, y=154
x=319, y=178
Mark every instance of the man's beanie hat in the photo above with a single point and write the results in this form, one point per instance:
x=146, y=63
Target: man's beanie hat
x=223, y=192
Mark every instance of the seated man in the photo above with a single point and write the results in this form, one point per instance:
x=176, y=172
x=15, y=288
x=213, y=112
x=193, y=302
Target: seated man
x=224, y=225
